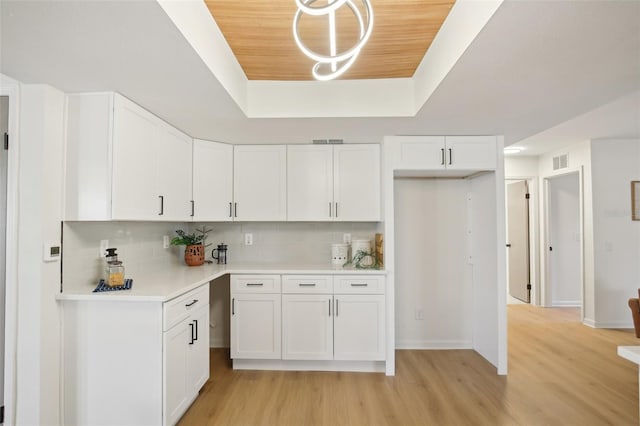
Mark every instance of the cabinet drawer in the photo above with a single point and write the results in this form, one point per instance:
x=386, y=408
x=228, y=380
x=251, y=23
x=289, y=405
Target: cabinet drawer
x=179, y=308
x=307, y=284
x=358, y=284
x=255, y=283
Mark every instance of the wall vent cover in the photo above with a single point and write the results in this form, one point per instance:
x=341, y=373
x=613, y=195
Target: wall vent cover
x=561, y=162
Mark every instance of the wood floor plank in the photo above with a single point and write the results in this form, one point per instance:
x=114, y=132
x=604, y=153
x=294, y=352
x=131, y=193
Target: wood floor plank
x=561, y=372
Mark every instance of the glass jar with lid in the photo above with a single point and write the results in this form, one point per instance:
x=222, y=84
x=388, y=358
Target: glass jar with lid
x=115, y=274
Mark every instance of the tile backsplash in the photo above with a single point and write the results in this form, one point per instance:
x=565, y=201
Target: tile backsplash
x=140, y=243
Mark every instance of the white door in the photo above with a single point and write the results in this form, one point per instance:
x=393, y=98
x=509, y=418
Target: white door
x=174, y=174
x=256, y=326
x=176, y=390
x=420, y=153
x=4, y=129
x=212, y=181
x=198, y=349
x=359, y=327
x=470, y=152
x=518, y=240
x=307, y=326
x=356, y=182
x=564, y=238
x=260, y=182
x=309, y=182
x=135, y=153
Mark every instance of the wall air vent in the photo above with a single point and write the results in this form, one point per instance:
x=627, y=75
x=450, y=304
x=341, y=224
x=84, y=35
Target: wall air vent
x=335, y=141
x=319, y=141
x=561, y=162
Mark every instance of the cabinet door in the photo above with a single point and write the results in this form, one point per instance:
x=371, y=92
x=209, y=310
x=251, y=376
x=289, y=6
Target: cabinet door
x=309, y=182
x=198, y=349
x=135, y=150
x=307, y=326
x=177, y=393
x=419, y=153
x=471, y=152
x=255, y=326
x=212, y=181
x=359, y=327
x=356, y=182
x=174, y=174
x=259, y=182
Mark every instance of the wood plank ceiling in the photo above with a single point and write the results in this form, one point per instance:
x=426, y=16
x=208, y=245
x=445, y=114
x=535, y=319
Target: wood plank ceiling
x=260, y=35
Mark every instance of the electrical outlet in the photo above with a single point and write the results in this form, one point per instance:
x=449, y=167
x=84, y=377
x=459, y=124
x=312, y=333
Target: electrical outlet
x=419, y=314
x=346, y=238
x=165, y=241
x=104, y=245
x=248, y=239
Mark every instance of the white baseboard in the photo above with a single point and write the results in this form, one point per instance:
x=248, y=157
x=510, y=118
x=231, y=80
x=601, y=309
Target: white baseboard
x=434, y=344
x=613, y=324
x=291, y=365
x=566, y=303
x=589, y=322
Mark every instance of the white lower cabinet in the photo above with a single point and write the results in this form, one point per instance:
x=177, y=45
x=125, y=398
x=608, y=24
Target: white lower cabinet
x=129, y=362
x=316, y=318
x=186, y=361
x=255, y=317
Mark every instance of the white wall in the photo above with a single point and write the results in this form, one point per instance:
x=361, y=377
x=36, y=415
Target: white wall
x=615, y=163
x=518, y=167
x=40, y=207
x=432, y=273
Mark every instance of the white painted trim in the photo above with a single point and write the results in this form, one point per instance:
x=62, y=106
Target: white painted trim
x=544, y=269
x=501, y=273
x=434, y=344
x=12, y=90
x=589, y=322
x=625, y=325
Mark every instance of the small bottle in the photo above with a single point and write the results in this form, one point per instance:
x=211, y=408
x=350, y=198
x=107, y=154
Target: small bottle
x=115, y=274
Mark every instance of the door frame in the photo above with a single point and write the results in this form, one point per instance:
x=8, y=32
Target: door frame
x=11, y=90
x=534, y=236
x=545, y=275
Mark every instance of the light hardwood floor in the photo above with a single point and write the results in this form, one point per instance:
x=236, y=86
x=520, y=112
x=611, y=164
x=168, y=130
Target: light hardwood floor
x=560, y=373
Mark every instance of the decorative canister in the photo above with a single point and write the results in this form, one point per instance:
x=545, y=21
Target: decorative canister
x=358, y=247
x=194, y=254
x=339, y=254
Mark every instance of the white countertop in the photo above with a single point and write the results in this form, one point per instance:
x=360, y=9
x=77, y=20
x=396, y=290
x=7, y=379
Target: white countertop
x=631, y=353
x=163, y=283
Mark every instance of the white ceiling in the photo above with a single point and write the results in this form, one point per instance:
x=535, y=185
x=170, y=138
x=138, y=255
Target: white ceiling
x=532, y=67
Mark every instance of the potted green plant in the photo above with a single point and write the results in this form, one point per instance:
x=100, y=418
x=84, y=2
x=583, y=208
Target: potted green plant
x=194, y=250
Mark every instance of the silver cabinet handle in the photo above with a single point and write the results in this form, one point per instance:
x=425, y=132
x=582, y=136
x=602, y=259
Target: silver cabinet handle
x=255, y=284
x=193, y=208
x=450, y=156
x=230, y=209
x=330, y=209
x=329, y=307
x=161, y=205
x=336, y=307
x=235, y=209
x=359, y=284
x=307, y=284
x=192, y=328
x=233, y=306
x=336, y=209
x=442, y=156
x=192, y=303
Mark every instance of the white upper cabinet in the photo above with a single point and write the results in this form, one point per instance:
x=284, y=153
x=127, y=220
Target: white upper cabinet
x=124, y=163
x=471, y=152
x=212, y=181
x=260, y=182
x=356, y=182
x=309, y=182
x=456, y=153
x=328, y=183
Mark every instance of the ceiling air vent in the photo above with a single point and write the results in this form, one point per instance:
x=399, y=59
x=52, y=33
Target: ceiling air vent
x=561, y=162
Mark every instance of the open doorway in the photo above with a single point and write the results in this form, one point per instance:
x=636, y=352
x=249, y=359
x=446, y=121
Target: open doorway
x=564, y=278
